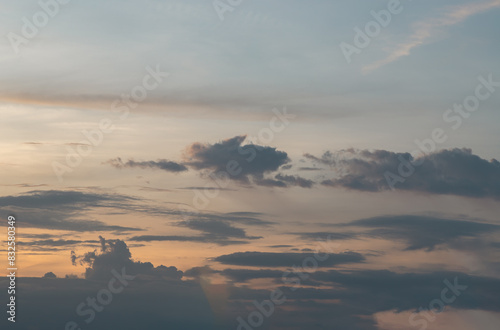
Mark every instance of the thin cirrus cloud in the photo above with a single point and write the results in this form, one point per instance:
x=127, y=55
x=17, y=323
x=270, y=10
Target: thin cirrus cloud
x=425, y=30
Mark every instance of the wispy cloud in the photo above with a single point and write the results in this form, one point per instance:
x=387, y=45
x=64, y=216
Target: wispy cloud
x=425, y=30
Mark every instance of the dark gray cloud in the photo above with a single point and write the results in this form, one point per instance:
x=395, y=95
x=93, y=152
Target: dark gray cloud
x=328, y=158
x=244, y=275
x=115, y=254
x=383, y=290
x=326, y=236
x=275, y=259
x=294, y=180
x=309, y=169
x=68, y=199
x=215, y=228
x=241, y=162
x=49, y=275
x=161, y=164
x=454, y=172
x=56, y=243
x=207, y=188
x=424, y=232
x=245, y=163
x=64, y=220
x=198, y=272
x=158, y=294
x=328, y=299
x=216, y=239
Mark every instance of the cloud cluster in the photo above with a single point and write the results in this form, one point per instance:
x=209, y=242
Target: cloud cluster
x=115, y=254
x=415, y=231
x=347, y=299
x=244, y=163
x=455, y=171
x=424, y=232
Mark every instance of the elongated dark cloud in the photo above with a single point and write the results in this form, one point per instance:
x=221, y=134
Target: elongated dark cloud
x=386, y=290
x=454, y=172
x=63, y=220
x=213, y=228
x=161, y=164
x=241, y=162
x=53, y=242
x=49, y=199
x=216, y=228
x=324, y=236
x=63, y=210
x=275, y=259
x=424, y=232
x=244, y=275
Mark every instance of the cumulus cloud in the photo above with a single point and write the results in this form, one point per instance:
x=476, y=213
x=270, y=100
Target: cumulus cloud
x=115, y=254
x=241, y=162
x=454, y=172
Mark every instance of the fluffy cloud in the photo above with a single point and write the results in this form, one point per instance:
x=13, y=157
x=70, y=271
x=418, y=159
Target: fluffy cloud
x=241, y=162
x=116, y=255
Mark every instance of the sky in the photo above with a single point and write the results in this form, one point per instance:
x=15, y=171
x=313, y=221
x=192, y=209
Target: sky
x=237, y=164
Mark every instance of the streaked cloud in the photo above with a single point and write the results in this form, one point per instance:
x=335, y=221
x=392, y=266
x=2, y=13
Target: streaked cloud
x=425, y=30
